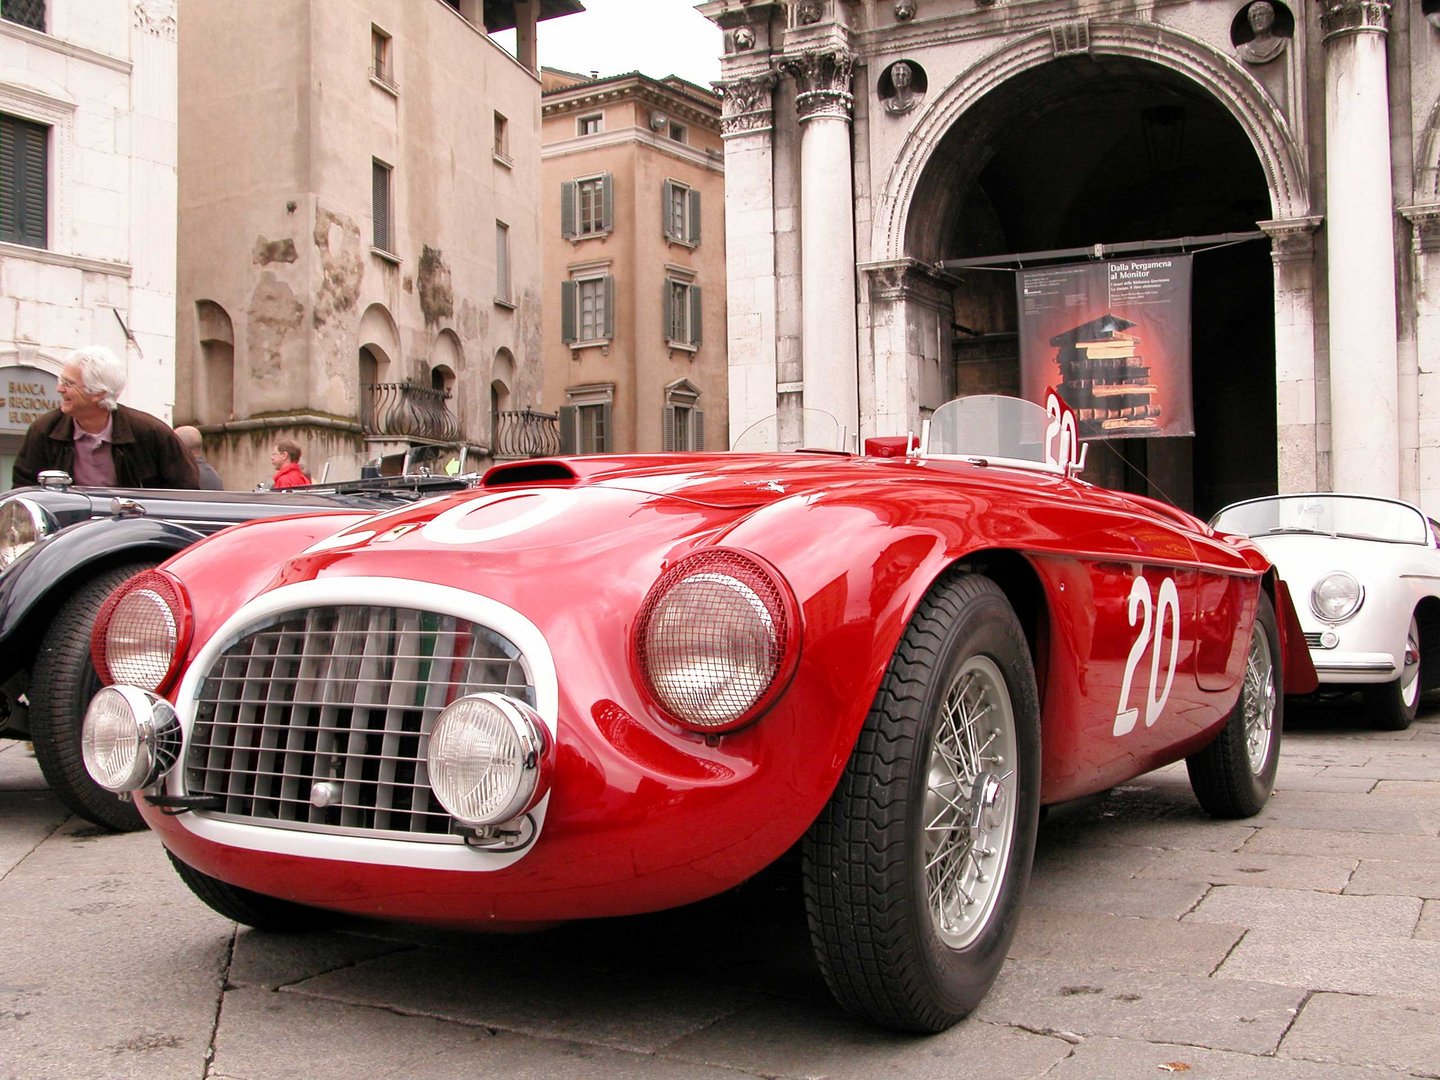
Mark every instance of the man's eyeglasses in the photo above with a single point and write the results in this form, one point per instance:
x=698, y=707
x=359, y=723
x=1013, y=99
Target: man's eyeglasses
x=65, y=384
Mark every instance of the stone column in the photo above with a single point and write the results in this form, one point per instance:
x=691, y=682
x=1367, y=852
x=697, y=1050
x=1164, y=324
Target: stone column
x=1299, y=425
x=823, y=103
x=1425, y=253
x=1359, y=224
x=746, y=126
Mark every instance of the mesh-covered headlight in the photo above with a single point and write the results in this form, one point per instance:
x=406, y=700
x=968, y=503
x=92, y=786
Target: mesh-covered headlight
x=715, y=640
x=130, y=738
x=1336, y=596
x=488, y=759
x=142, y=632
x=22, y=525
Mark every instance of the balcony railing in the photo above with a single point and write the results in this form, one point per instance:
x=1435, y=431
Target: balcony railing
x=407, y=410
x=524, y=433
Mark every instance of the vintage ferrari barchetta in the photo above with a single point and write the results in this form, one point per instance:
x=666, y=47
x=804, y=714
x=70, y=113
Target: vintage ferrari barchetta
x=604, y=685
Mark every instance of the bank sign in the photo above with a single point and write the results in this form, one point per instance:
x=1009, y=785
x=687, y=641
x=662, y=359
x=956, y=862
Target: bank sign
x=26, y=394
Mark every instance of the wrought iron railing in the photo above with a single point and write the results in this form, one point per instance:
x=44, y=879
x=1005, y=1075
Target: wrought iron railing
x=407, y=410
x=524, y=433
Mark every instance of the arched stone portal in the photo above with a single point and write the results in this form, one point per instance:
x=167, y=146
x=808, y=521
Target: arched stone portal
x=1136, y=138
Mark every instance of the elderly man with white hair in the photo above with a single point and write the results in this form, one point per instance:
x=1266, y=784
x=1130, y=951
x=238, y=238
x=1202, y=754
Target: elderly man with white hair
x=98, y=441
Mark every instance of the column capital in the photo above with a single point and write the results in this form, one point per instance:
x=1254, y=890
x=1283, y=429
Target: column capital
x=1338, y=17
x=747, y=103
x=907, y=279
x=822, y=80
x=1425, y=221
x=1292, y=239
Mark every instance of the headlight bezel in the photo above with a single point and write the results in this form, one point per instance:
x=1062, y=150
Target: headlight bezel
x=29, y=524
x=168, y=599
x=757, y=591
x=1351, y=596
x=153, y=731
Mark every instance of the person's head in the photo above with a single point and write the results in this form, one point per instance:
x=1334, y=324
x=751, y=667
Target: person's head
x=91, y=378
x=190, y=439
x=900, y=75
x=286, y=450
x=1262, y=16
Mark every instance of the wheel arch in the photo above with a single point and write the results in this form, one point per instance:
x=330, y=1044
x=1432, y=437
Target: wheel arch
x=1427, y=619
x=1019, y=581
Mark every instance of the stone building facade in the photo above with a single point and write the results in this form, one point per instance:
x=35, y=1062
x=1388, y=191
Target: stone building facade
x=873, y=144
x=87, y=199
x=359, y=236
x=633, y=213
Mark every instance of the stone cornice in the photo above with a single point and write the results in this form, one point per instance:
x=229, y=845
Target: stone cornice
x=639, y=87
x=1339, y=17
x=822, y=83
x=64, y=48
x=1425, y=221
x=1291, y=240
x=907, y=279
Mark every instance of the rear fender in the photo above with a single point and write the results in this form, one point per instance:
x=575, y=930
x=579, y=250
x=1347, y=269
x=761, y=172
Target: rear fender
x=1300, y=677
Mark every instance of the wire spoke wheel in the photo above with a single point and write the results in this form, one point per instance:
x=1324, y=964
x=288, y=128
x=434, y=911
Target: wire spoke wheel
x=1258, y=700
x=970, y=805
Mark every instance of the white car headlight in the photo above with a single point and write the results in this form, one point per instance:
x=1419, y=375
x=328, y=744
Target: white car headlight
x=1336, y=596
x=22, y=526
x=488, y=759
x=130, y=738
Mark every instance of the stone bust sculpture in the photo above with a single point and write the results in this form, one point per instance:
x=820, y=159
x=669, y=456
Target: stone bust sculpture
x=902, y=78
x=1266, y=44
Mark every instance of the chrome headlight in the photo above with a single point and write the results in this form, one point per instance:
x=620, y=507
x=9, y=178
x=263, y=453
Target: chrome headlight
x=488, y=759
x=130, y=738
x=22, y=526
x=1336, y=596
x=715, y=640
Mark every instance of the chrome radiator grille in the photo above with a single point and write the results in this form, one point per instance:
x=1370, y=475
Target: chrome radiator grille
x=319, y=719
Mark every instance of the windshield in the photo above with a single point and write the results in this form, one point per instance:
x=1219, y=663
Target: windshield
x=1328, y=515
x=811, y=429
x=992, y=427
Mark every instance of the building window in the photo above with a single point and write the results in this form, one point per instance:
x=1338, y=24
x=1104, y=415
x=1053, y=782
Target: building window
x=587, y=206
x=680, y=210
x=587, y=309
x=684, y=420
x=585, y=420
x=682, y=313
x=381, y=69
x=502, y=139
x=24, y=181
x=502, y=262
x=676, y=131
x=590, y=125
x=382, y=212
x=29, y=13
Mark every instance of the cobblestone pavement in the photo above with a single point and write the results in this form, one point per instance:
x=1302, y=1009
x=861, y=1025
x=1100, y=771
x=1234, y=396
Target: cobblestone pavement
x=1304, y=943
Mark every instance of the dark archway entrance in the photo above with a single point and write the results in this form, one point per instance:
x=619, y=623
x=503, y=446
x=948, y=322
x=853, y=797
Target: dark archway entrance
x=1109, y=149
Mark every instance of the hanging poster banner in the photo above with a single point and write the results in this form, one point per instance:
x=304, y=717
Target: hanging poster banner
x=1113, y=338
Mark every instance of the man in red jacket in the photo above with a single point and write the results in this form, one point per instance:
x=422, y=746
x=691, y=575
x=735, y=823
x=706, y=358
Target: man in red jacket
x=98, y=441
x=286, y=460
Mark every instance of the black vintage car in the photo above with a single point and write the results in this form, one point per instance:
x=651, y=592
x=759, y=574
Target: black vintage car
x=63, y=549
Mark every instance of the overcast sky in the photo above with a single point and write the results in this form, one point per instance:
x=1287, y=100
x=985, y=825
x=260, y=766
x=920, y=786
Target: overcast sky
x=654, y=37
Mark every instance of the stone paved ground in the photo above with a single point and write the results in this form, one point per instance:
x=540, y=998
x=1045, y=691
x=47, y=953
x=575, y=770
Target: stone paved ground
x=1302, y=944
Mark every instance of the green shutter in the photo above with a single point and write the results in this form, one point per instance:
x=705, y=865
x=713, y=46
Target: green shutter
x=695, y=315
x=667, y=195
x=667, y=309
x=567, y=311
x=607, y=438
x=607, y=202
x=608, y=288
x=24, y=169
x=567, y=429
x=694, y=215
x=697, y=428
x=567, y=210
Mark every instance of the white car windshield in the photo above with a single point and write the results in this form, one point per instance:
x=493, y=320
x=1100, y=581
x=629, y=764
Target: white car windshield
x=1357, y=516
x=994, y=428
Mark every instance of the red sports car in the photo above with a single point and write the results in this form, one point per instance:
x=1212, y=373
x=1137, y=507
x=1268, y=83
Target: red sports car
x=603, y=685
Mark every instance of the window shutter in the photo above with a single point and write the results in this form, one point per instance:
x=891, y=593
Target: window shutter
x=567, y=429
x=607, y=202
x=567, y=210
x=694, y=215
x=568, y=291
x=24, y=167
x=697, y=427
x=667, y=197
x=668, y=437
x=380, y=189
x=607, y=441
x=667, y=309
x=694, y=314
x=608, y=288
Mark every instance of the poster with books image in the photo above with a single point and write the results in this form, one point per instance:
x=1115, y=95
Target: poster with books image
x=1113, y=338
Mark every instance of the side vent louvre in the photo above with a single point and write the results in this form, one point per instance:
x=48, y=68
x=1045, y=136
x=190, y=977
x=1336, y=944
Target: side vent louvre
x=529, y=472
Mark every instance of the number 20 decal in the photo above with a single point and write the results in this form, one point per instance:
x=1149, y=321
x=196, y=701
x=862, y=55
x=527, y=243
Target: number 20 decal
x=1156, y=617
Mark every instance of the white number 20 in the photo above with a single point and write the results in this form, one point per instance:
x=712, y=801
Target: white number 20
x=1154, y=616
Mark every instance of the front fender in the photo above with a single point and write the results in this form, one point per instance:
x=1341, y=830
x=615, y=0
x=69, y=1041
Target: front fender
x=51, y=569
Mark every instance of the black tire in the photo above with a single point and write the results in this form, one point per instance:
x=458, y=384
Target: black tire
x=252, y=908
x=1234, y=775
x=62, y=682
x=888, y=953
x=1392, y=706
